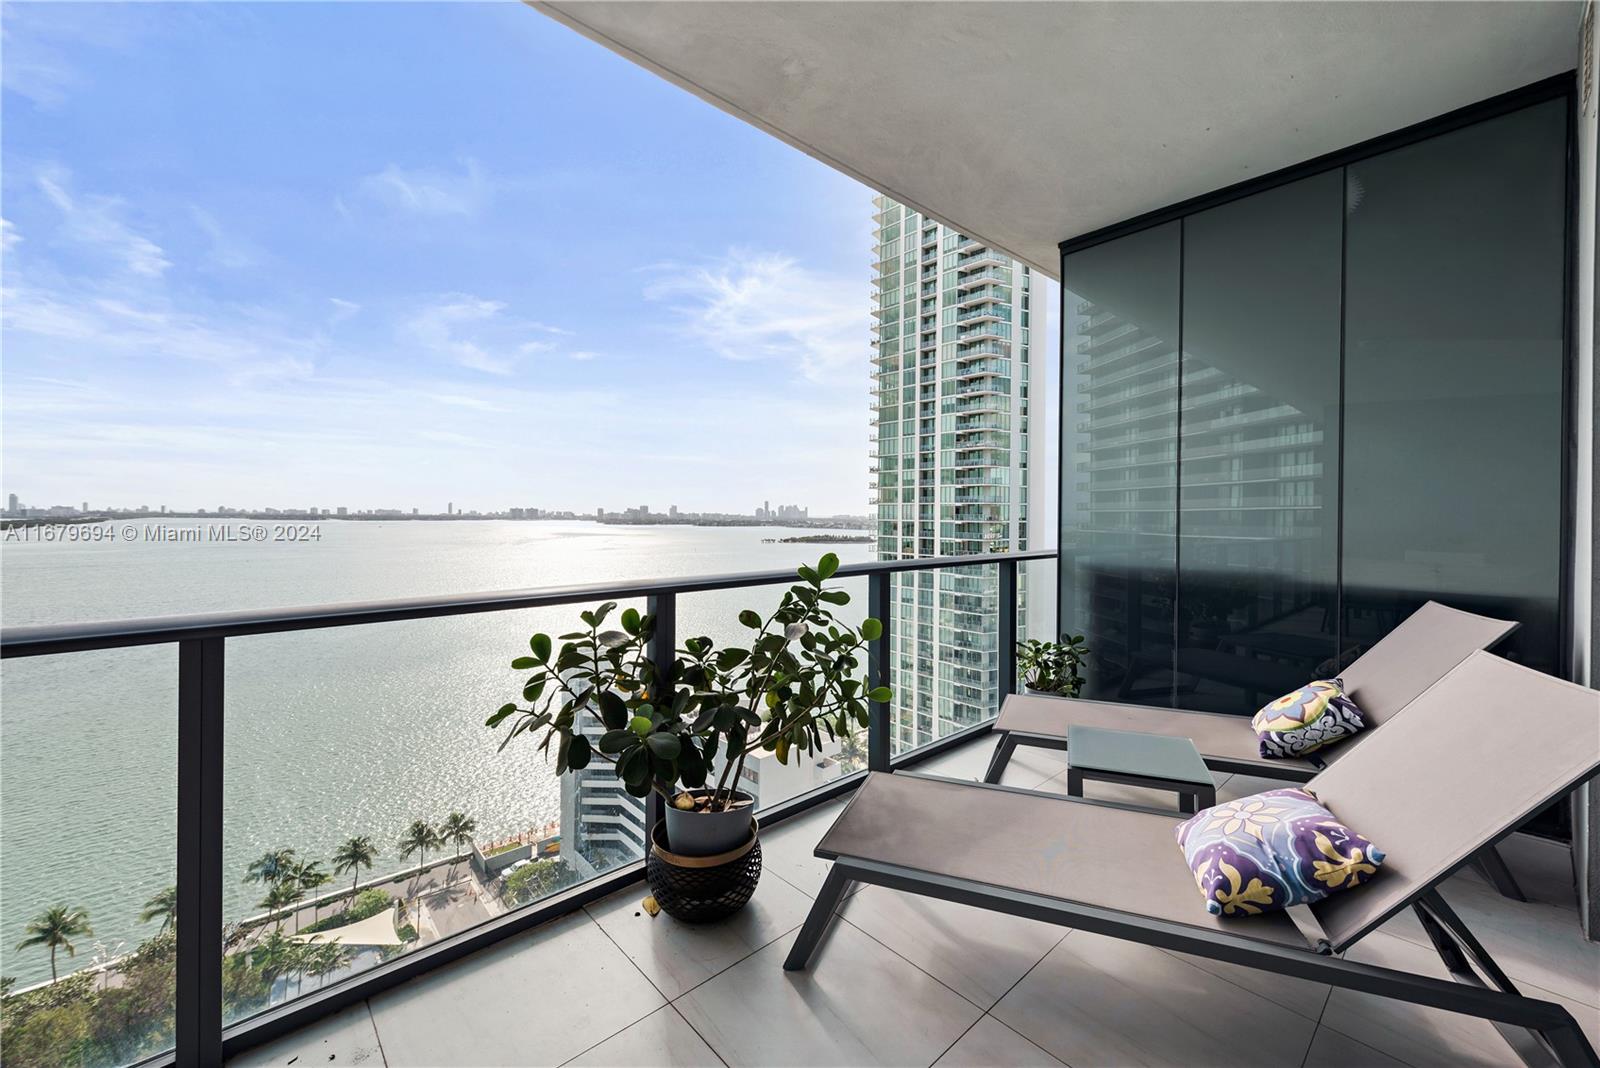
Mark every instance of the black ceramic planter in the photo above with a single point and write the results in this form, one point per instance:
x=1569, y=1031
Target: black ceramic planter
x=702, y=889
x=706, y=834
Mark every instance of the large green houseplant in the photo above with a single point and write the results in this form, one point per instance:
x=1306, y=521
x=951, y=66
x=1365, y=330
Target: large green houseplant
x=685, y=730
x=1052, y=668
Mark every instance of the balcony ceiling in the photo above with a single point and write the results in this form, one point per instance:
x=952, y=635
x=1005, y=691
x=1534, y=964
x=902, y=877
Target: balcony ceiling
x=1024, y=124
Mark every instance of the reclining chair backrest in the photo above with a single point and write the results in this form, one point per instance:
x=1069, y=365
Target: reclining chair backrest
x=1415, y=655
x=1466, y=763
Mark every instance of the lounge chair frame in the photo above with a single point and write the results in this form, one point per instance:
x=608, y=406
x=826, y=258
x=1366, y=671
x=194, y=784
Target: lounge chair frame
x=1489, y=862
x=1490, y=995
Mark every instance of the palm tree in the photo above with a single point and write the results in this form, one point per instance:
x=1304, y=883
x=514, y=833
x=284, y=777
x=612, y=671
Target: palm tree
x=419, y=839
x=273, y=866
x=312, y=878
x=56, y=927
x=325, y=958
x=165, y=906
x=457, y=830
x=274, y=956
x=281, y=896
x=356, y=853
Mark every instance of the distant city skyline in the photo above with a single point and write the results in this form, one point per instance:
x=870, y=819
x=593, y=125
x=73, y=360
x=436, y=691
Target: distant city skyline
x=15, y=505
x=485, y=303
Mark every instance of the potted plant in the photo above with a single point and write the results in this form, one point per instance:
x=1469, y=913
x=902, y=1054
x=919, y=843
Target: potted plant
x=1051, y=668
x=685, y=730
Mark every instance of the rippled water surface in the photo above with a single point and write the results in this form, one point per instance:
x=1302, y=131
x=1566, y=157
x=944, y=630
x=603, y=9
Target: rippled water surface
x=328, y=733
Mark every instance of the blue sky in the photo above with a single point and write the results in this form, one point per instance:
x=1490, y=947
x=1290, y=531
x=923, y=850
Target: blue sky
x=393, y=255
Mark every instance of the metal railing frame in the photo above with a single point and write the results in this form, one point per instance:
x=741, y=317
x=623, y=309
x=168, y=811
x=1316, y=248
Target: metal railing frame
x=201, y=1039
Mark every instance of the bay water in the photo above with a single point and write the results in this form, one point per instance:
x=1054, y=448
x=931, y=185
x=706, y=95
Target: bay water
x=328, y=733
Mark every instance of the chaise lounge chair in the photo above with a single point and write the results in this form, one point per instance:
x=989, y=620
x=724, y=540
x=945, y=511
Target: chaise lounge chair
x=1465, y=763
x=1382, y=681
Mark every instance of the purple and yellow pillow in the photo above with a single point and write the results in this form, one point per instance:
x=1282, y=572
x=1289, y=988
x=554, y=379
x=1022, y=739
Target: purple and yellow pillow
x=1273, y=850
x=1304, y=721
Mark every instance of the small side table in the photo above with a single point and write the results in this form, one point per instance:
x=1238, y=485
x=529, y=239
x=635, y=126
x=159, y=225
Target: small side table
x=1133, y=759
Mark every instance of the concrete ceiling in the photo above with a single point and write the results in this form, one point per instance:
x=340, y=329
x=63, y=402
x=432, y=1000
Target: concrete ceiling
x=1023, y=124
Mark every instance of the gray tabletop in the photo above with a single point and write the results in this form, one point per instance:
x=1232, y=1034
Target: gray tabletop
x=1154, y=756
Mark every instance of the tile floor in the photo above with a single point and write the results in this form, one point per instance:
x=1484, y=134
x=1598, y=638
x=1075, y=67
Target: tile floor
x=909, y=981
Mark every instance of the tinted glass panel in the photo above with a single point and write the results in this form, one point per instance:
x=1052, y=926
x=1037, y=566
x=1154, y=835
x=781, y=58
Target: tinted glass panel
x=1258, y=533
x=1119, y=418
x=1453, y=379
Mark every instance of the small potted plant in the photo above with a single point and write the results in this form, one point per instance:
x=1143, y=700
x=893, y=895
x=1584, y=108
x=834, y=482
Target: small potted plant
x=1050, y=669
x=685, y=730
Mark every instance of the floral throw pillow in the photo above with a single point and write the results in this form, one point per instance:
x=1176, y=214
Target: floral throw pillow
x=1272, y=850
x=1304, y=721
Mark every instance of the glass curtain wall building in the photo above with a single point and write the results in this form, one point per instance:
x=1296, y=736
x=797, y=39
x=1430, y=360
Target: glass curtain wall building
x=952, y=378
x=1292, y=418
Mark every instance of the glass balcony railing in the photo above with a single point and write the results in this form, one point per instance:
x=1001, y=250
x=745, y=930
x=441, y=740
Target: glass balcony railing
x=266, y=899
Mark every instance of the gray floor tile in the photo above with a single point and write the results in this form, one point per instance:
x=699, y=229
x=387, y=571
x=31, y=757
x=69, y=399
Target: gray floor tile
x=346, y=1037
x=1098, y=1001
x=859, y=1004
x=661, y=1040
x=1533, y=942
x=1241, y=785
x=1330, y=1049
x=1027, y=768
x=678, y=956
x=787, y=849
x=535, y=999
x=978, y=954
x=1297, y=995
x=991, y=1044
x=1426, y=1037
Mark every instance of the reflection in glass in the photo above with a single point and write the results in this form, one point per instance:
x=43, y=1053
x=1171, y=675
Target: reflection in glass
x=1258, y=458
x=320, y=757
x=1119, y=420
x=1453, y=379
x=715, y=615
x=88, y=787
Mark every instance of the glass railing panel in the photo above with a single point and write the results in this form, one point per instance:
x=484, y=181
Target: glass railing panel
x=88, y=786
x=715, y=615
x=369, y=811
x=956, y=610
x=1037, y=589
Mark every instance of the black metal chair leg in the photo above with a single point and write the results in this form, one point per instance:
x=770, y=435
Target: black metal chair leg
x=833, y=890
x=1493, y=866
x=1002, y=756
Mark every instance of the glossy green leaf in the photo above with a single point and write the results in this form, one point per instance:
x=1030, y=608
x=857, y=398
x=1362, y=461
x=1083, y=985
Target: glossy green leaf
x=664, y=745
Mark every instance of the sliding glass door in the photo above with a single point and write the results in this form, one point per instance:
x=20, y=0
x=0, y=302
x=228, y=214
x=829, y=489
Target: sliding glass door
x=1258, y=469
x=1119, y=420
x=1290, y=419
x=1453, y=380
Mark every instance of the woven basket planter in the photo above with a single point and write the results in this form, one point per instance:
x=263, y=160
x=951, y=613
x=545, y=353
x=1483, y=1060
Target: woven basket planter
x=702, y=889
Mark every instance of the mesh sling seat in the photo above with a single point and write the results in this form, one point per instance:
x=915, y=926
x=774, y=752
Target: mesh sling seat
x=1502, y=741
x=1382, y=681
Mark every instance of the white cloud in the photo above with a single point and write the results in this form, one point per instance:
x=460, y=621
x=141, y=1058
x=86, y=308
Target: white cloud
x=763, y=306
x=227, y=250
x=148, y=332
x=94, y=221
x=9, y=238
x=343, y=309
x=444, y=327
x=479, y=333
x=582, y=355
x=428, y=191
